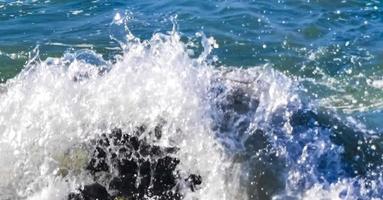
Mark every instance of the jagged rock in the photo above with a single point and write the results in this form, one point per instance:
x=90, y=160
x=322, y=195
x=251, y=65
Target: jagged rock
x=138, y=170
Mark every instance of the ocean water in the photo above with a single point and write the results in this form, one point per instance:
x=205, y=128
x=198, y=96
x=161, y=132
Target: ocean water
x=278, y=99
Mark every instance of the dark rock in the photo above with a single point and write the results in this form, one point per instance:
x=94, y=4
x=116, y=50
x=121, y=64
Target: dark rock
x=93, y=191
x=255, y=142
x=137, y=169
x=164, y=178
x=98, y=162
x=194, y=180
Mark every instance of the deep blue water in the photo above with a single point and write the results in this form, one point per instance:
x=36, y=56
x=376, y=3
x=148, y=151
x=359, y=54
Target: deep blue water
x=331, y=49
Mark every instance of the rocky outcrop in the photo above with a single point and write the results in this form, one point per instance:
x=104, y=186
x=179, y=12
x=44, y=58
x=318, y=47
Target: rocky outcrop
x=135, y=169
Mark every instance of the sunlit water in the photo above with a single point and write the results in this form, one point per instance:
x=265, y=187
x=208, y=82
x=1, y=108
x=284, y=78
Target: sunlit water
x=265, y=99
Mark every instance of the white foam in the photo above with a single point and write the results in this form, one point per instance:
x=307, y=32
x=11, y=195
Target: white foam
x=49, y=112
x=58, y=104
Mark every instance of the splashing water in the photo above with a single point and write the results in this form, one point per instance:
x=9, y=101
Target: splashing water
x=245, y=131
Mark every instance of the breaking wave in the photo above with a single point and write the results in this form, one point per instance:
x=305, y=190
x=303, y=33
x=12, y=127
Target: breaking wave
x=246, y=132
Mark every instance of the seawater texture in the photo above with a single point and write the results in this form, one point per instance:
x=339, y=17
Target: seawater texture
x=56, y=105
x=247, y=132
x=236, y=128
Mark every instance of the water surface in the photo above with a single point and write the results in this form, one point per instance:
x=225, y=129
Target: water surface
x=316, y=55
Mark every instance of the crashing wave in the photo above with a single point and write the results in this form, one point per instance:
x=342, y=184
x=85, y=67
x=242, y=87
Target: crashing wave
x=239, y=133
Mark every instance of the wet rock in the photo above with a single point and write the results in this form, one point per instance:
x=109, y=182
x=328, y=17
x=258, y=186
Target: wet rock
x=194, y=180
x=357, y=157
x=255, y=142
x=137, y=169
x=93, y=191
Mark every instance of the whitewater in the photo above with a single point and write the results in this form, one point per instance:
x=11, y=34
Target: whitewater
x=246, y=131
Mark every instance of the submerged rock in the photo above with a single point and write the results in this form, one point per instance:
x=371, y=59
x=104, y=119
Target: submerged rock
x=135, y=169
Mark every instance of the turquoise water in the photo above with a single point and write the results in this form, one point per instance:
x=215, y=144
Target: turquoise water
x=330, y=52
x=333, y=48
